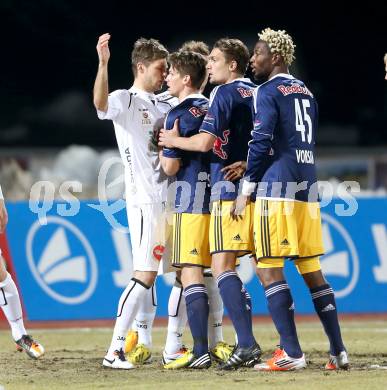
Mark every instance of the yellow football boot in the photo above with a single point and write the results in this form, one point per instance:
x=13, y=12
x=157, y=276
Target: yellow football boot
x=189, y=360
x=222, y=351
x=131, y=341
x=140, y=355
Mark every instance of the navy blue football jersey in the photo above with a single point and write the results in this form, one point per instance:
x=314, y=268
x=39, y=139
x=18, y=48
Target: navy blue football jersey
x=281, y=152
x=193, y=192
x=230, y=120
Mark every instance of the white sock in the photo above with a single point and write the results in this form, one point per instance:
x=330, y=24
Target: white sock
x=215, y=318
x=145, y=317
x=127, y=310
x=10, y=303
x=177, y=319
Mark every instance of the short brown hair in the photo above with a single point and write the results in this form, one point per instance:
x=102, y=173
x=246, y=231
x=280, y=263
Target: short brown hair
x=147, y=51
x=190, y=63
x=197, y=47
x=234, y=50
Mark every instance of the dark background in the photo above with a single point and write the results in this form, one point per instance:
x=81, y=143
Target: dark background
x=49, y=61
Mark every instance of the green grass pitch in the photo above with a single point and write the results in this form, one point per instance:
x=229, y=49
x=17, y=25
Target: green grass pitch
x=73, y=361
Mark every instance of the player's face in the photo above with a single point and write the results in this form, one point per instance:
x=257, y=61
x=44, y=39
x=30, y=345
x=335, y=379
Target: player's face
x=261, y=61
x=203, y=86
x=174, y=82
x=155, y=74
x=205, y=79
x=218, y=69
x=385, y=77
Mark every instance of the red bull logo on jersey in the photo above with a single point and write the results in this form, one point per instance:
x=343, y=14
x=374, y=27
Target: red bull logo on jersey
x=197, y=112
x=245, y=93
x=295, y=88
x=219, y=143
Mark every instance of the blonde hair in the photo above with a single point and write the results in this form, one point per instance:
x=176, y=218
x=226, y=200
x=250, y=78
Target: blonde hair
x=385, y=58
x=279, y=42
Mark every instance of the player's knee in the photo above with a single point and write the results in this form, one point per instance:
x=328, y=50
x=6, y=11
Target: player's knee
x=216, y=269
x=222, y=262
x=191, y=275
x=268, y=276
x=178, y=281
x=3, y=271
x=310, y=269
x=146, y=277
x=314, y=279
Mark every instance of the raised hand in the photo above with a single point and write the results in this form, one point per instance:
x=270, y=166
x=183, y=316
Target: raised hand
x=103, y=49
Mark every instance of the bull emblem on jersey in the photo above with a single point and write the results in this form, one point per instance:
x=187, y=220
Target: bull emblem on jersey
x=219, y=143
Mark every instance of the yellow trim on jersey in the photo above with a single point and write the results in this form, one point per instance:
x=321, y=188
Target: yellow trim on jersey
x=227, y=234
x=304, y=265
x=190, y=240
x=287, y=229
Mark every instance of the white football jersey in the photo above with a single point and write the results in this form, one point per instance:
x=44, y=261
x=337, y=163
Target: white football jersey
x=167, y=98
x=137, y=117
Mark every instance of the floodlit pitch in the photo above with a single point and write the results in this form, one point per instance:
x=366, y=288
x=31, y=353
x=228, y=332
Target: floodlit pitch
x=73, y=361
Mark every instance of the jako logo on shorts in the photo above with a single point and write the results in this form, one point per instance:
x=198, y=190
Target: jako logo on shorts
x=62, y=261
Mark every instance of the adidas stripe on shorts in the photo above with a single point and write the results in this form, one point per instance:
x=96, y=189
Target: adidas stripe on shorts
x=228, y=234
x=190, y=240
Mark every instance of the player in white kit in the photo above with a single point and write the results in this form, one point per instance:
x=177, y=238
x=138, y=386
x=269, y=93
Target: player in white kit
x=137, y=116
x=10, y=301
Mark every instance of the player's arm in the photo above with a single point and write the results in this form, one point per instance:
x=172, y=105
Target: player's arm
x=265, y=121
x=101, y=88
x=3, y=213
x=170, y=161
x=170, y=158
x=109, y=106
x=201, y=142
x=217, y=119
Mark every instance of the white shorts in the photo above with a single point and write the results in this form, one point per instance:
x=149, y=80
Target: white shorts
x=149, y=235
